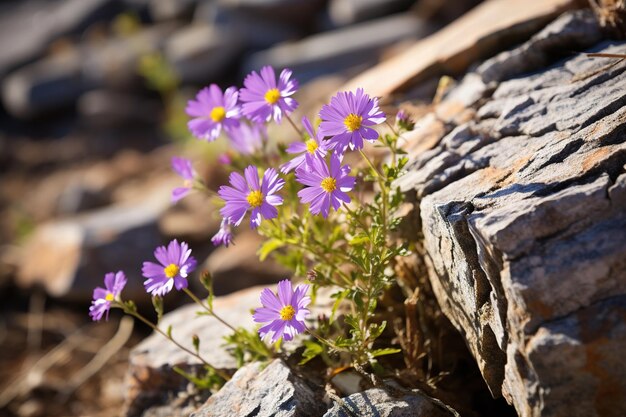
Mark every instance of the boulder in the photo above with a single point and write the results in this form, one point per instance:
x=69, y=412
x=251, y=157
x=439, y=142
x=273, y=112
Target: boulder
x=272, y=391
x=347, y=12
x=151, y=380
x=521, y=208
x=378, y=402
x=74, y=254
x=486, y=29
x=340, y=49
x=27, y=28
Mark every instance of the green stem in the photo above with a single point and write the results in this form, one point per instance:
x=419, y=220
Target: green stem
x=294, y=126
x=138, y=316
x=208, y=309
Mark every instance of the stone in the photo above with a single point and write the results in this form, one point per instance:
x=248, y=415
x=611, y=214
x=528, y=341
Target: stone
x=294, y=12
x=348, y=12
x=151, y=380
x=522, y=213
x=241, y=260
x=171, y=9
x=150, y=374
x=27, y=28
x=55, y=82
x=338, y=50
x=255, y=32
x=74, y=254
x=107, y=108
x=378, y=402
x=489, y=27
x=272, y=391
x=201, y=53
x=192, y=219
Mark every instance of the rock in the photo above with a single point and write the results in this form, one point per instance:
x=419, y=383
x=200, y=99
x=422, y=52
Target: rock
x=150, y=373
x=241, y=261
x=27, y=28
x=56, y=82
x=294, y=12
x=522, y=212
x=488, y=28
x=171, y=9
x=107, y=108
x=74, y=254
x=378, y=402
x=255, y=32
x=151, y=380
x=273, y=391
x=201, y=53
x=347, y=12
x=192, y=219
x=340, y=49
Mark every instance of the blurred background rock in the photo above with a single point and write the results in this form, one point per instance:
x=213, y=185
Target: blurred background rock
x=92, y=94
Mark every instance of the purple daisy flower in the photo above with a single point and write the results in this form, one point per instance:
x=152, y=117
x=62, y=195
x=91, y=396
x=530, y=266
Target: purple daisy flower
x=314, y=146
x=284, y=311
x=114, y=283
x=263, y=98
x=184, y=169
x=326, y=187
x=348, y=117
x=212, y=111
x=248, y=194
x=224, y=236
x=247, y=138
x=175, y=265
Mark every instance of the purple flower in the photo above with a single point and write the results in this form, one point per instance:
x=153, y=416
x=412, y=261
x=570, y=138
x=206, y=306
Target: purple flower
x=248, y=194
x=103, y=297
x=184, y=169
x=314, y=146
x=404, y=121
x=224, y=236
x=285, y=312
x=224, y=159
x=348, y=118
x=263, y=98
x=212, y=111
x=326, y=187
x=247, y=139
x=175, y=265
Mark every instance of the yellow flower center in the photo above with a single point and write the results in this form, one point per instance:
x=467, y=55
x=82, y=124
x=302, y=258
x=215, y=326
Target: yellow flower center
x=218, y=113
x=255, y=198
x=171, y=270
x=188, y=183
x=109, y=297
x=352, y=122
x=272, y=96
x=287, y=313
x=329, y=184
x=311, y=146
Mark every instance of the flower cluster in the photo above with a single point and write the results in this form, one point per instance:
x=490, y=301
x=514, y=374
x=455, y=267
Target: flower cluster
x=290, y=185
x=317, y=159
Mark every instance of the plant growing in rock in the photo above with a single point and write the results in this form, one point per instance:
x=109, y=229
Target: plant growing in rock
x=326, y=209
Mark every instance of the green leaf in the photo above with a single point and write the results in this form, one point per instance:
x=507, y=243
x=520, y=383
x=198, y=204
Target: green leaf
x=386, y=351
x=359, y=239
x=268, y=247
x=311, y=350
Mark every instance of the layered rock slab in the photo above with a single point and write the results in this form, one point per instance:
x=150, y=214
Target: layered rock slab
x=524, y=221
x=272, y=391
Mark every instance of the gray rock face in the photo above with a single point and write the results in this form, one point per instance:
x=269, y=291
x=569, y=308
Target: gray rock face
x=523, y=215
x=377, y=402
x=274, y=391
